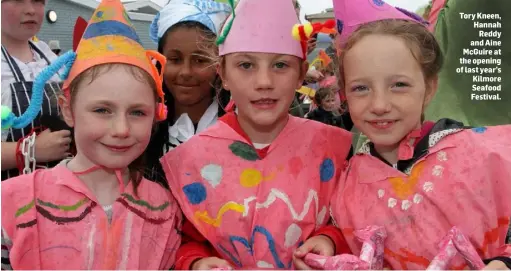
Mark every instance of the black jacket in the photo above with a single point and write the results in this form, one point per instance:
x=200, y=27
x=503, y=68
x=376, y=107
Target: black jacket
x=343, y=121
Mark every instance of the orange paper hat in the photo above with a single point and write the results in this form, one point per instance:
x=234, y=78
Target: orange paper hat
x=111, y=38
x=324, y=58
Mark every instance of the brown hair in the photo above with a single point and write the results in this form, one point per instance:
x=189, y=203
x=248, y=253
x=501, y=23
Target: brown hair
x=136, y=167
x=322, y=94
x=422, y=43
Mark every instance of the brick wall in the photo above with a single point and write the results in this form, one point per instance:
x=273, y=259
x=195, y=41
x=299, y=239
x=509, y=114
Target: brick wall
x=67, y=12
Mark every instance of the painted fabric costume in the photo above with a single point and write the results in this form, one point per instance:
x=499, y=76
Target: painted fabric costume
x=51, y=219
x=451, y=177
x=447, y=175
x=286, y=185
x=255, y=203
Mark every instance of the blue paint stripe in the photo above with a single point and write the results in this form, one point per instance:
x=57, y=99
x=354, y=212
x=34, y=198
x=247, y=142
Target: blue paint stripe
x=233, y=259
x=250, y=244
x=271, y=244
x=243, y=241
x=114, y=28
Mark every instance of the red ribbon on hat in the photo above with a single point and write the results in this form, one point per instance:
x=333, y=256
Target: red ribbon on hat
x=303, y=32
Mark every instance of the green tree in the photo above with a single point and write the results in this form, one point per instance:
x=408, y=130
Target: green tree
x=424, y=10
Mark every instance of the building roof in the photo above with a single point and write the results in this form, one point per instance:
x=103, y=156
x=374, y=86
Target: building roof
x=327, y=14
x=142, y=6
x=138, y=10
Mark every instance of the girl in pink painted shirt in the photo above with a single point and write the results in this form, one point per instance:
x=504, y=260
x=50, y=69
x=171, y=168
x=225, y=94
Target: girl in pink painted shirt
x=416, y=179
x=95, y=211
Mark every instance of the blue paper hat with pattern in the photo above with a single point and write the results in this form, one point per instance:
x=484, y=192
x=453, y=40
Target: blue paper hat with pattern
x=210, y=13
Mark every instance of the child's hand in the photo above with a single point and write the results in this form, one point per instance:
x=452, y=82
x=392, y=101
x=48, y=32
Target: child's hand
x=211, y=263
x=320, y=245
x=311, y=45
x=314, y=75
x=52, y=146
x=496, y=265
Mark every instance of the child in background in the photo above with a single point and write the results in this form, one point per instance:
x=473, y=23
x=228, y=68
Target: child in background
x=417, y=179
x=23, y=57
x=325, y=100
x=185, y=31
x=96, y=211
x=252, y=185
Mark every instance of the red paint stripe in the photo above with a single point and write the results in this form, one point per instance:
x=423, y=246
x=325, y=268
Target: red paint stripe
x=27, y=224
x=140, y=214
x=63, y=220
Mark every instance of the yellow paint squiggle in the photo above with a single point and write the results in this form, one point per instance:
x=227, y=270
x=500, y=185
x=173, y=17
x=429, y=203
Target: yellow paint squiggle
x=215, y=222
x=252, y=177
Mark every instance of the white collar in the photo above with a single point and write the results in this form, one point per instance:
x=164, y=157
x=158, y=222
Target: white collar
x=183, y=129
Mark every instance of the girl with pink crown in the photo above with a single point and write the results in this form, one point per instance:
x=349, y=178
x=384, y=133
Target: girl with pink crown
x=254, y=186
x=419, y=181
x=96, y=211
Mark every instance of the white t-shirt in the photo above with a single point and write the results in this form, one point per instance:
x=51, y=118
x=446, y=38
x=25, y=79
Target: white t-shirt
x=29, y=70
x=260, y=146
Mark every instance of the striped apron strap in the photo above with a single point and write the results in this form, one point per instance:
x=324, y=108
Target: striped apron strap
x=18, y=76
x=21, y=91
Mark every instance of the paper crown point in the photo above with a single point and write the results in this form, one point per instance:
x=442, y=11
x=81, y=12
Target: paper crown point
x=109, y=38
x=350, y=14
x=261, y=26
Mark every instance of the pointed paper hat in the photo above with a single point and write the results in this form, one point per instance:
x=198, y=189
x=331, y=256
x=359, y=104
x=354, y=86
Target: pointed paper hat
x=350, y=14
x=261, y=26
x=109, y=38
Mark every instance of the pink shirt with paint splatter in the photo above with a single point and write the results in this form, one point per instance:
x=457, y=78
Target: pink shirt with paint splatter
x=256, y=209
x=50, y=220
x=462, y=179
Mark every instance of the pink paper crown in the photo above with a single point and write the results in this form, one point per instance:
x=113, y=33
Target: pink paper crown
x=261, y=26
x=350, y=14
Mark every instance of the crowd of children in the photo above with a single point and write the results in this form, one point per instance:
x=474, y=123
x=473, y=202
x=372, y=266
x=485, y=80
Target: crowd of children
x=188, y=158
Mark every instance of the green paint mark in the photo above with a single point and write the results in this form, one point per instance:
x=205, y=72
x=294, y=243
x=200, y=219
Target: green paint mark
x=144, y=203
x=244, y=151
x=127, y=18
x=63, y=207
x=24, y=209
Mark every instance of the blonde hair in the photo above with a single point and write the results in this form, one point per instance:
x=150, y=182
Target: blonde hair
x=422, y=44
